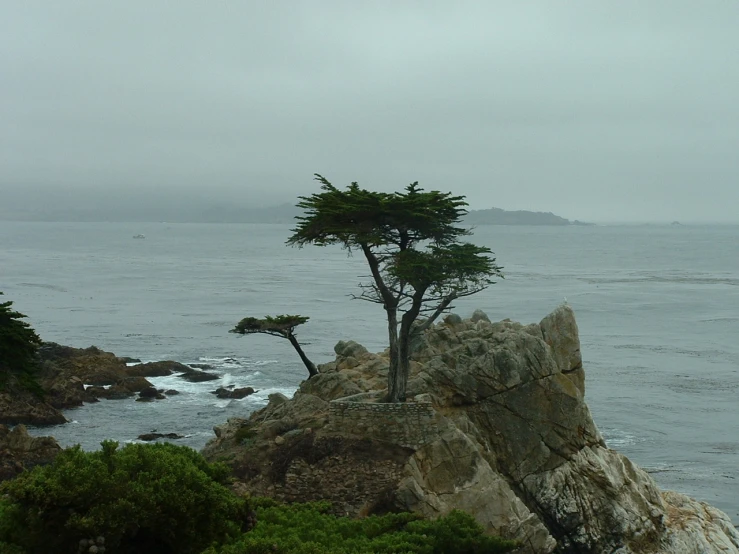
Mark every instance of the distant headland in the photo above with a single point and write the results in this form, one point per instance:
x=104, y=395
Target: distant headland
x=114, y=206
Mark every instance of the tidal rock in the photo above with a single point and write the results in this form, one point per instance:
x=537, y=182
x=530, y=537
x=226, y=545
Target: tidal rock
x=196, y=376
x=149, y=394
x=201, y=366
x=154, y=436
x=223, y=392
x=157, y=369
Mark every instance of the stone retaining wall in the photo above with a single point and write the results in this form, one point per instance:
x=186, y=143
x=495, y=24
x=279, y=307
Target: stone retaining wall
x=409, y=424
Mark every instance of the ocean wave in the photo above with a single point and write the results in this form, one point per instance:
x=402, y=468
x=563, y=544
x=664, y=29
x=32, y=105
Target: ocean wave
x=617, y=438
x=263, y=394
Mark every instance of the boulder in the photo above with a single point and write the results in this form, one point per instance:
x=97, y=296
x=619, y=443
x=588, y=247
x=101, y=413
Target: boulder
x=196, y=376
x=479, y=315
x=243, y=392
x=20, y=451
x=346, y=349
x=154, y=436
x=133, y=384
x=329, y=386
x=157, y=369
x=148, y=394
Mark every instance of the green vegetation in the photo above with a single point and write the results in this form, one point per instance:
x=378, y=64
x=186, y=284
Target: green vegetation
x=158, y=498
x=277, y=326
x=18, y=346
x=166, y=499
x=308, y=529
x=411, y=243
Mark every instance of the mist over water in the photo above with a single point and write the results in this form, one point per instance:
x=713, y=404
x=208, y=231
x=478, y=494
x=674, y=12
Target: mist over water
x=657, y=308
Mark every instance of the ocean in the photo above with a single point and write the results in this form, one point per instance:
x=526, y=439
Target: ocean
x=657, y=308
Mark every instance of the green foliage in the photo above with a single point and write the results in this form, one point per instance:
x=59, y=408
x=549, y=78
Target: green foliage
x=308, y=529
x=18, y=346
x=282, y=325
x=142, y=498
x=357, y=216
x=278, y=326
x=411, y=241
x=442, y=270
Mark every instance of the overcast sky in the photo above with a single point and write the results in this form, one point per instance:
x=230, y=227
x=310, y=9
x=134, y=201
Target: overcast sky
x=595, y=110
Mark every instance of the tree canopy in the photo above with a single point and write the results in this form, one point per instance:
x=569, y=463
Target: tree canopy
x=18, y=345
x=278, y=326
x=411, y=241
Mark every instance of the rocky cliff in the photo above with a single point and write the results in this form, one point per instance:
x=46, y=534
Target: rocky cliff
x=496, y=426
x=20, y=451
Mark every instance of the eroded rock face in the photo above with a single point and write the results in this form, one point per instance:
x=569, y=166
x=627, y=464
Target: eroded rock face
x=514, y=444
x=21, y=406
x=19, y=451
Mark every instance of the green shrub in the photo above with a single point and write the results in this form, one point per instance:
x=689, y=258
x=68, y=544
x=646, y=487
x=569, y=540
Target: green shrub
x=308, y=529
x=18, y=346
x=141, y=498
x=6, y=548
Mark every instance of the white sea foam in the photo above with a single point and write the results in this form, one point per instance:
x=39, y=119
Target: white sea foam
x=617, y=438
x=263, y=394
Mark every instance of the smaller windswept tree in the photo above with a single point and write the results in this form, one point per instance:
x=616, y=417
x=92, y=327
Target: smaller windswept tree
x=277, y=326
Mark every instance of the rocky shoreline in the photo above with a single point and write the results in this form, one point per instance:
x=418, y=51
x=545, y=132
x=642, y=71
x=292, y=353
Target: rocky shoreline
x=70, y=377
x=496, y=425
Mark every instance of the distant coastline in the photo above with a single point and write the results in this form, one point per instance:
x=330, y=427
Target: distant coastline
x=498, y=216
x=282, y=214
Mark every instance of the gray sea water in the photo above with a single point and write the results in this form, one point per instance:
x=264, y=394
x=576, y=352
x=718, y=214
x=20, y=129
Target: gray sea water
x=657, y=308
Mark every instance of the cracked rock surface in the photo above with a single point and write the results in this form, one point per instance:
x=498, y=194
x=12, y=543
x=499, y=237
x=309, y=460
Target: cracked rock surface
x=511, y=441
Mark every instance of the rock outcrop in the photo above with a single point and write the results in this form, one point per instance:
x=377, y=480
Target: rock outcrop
x=71, y=376
x=495, y=425
x=18, y=405
x=19, y=451
x=235, y=393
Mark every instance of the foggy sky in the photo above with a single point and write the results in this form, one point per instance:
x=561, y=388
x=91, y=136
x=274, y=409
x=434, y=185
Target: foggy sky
x=591, y=109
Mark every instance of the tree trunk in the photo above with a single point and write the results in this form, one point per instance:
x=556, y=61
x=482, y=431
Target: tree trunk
x=400, y=381
x=390, y=303
x=312, y=371
x=394, y=376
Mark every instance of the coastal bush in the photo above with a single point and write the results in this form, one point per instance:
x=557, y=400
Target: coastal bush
x=141, y=498
x=308, y=529
x=18, y=346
